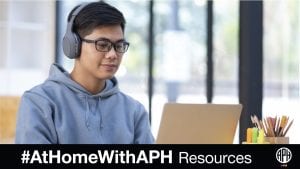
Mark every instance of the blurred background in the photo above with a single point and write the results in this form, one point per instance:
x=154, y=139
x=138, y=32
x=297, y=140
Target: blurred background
x=180, y=51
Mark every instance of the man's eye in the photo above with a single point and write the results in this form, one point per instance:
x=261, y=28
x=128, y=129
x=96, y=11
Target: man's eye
x=103, y=45
x=120, y=46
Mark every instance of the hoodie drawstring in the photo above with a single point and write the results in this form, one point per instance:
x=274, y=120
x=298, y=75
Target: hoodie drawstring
x=100, y=112
x=87, y=113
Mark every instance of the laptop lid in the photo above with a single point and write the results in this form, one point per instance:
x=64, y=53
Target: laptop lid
x=198, y=123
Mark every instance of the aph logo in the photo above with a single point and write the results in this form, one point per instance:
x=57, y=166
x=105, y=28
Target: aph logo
x=283, y=155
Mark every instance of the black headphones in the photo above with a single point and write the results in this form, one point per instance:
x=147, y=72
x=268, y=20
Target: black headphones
x=71, y=40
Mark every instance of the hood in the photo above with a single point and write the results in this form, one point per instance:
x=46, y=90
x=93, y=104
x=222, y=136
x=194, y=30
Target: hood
x=59, y=75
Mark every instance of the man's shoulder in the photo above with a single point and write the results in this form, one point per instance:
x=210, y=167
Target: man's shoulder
x=130, y=100
x=43, y=89
x=40, y=87
x=127, y=96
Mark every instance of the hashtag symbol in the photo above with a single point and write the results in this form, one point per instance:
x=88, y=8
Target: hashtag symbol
x=25, y=156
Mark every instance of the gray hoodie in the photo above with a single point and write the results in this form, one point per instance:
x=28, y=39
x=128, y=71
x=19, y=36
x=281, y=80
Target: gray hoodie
x=60, y=111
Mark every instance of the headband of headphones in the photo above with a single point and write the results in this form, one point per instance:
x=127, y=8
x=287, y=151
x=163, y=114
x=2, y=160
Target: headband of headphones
x=71, y=40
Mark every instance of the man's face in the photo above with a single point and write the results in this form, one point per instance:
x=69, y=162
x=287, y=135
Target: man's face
x=96, y=64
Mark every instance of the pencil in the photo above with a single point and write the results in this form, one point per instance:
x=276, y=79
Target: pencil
x=287, y=129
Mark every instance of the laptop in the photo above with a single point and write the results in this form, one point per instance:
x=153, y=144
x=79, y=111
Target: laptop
x=198, y=123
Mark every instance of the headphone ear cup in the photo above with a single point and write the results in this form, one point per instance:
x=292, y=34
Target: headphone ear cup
x=67, y=46
x=71, y=41
x=71, y=45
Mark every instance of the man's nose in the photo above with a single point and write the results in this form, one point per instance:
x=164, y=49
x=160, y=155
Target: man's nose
x=112, y=53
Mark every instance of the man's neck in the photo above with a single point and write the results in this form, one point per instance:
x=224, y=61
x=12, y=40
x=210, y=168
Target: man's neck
x=90, y=83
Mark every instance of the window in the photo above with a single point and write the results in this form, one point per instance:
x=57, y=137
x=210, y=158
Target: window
x=180, y=54
x=225, y=51
x=281, y=61
x=26, y=44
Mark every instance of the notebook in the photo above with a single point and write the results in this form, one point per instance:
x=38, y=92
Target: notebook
x=198, y=123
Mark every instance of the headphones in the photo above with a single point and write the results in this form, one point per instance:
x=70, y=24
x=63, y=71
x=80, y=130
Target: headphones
x=71, y=40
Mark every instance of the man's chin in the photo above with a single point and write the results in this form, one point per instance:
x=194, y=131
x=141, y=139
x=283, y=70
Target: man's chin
x=107, y=77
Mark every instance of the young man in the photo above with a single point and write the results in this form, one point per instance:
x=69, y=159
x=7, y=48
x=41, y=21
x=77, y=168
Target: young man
x=85, y=106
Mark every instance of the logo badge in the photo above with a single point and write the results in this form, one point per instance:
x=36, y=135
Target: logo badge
x=283, y=155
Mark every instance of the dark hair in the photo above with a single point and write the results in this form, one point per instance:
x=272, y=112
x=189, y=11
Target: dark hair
x=96, y=14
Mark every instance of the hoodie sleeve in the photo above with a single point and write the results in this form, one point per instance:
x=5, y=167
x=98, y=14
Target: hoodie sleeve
x=143, y=134
x=34, y=121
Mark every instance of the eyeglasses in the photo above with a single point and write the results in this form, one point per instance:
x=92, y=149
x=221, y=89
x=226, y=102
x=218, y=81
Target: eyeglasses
x=105, y=45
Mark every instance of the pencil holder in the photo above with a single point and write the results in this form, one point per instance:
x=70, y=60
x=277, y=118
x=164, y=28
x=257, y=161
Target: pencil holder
x=277, y=140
